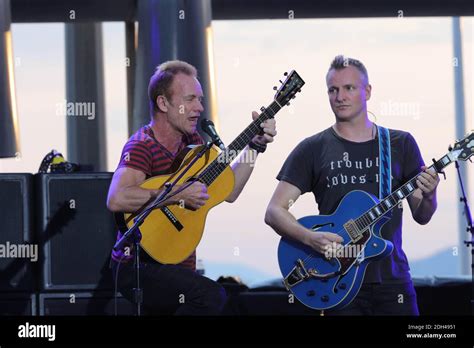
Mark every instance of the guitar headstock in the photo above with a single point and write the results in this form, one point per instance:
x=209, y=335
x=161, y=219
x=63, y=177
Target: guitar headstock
x=289, y=88
x=465, y=148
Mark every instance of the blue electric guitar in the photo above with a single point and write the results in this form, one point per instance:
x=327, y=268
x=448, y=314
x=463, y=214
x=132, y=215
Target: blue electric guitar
x=332, y=280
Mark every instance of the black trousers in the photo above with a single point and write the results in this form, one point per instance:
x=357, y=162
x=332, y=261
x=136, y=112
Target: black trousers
x=170, y=289
x=382, y=299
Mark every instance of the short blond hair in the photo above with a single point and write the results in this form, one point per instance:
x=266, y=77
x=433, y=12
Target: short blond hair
x=161, y=80
x=341, y=62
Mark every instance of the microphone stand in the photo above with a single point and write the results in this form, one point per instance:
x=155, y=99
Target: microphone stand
x=133, y=233
x=469, y=228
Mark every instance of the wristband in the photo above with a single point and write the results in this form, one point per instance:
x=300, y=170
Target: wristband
x=257, y=147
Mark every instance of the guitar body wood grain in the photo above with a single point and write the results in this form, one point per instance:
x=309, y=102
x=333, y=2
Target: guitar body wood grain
x=171, y=241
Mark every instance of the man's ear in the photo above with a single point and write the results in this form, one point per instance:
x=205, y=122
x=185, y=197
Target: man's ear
x=162, y=103
x=368, y=91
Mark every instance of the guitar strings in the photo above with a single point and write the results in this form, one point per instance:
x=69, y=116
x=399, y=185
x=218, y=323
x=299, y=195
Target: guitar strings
x=367, y=221
x=219, y=165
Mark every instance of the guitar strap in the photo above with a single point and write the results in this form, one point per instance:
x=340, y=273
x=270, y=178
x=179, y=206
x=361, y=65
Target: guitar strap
x=385, y=160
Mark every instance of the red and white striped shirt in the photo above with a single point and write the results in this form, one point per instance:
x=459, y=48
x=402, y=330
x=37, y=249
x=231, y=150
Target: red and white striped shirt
x=146, y=154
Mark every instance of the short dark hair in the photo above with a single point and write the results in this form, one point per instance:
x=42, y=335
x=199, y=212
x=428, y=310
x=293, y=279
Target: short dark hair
x=341, y=62
x=160, y=82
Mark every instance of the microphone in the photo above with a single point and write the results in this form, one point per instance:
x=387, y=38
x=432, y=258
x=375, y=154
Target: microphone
x=208, y=127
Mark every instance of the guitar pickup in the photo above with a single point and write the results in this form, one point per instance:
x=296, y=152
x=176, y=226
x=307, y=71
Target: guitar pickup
x=352, y=231
x=297, y=275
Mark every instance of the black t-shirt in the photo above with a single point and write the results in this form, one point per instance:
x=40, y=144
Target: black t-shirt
x=331, y=166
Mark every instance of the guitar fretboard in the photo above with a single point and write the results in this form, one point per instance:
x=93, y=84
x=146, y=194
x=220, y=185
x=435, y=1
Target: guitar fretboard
x=374, y=214
x=216, y=167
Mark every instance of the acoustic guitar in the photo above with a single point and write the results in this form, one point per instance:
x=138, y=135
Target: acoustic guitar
x=171, y=233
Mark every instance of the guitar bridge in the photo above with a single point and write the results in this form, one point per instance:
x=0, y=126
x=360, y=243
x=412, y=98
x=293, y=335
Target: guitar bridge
x=297, y=275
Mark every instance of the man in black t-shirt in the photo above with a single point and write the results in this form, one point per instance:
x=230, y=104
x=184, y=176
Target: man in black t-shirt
x=343, y=158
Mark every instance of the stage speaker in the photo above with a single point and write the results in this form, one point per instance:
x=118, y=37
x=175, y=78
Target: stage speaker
x=18, y=253
x=444, y=295
x=83, y=303
x=18, y=304
x=75, y=230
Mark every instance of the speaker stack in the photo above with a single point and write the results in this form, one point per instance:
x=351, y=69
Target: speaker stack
x=76, y=233
x=63, y=216
x=18, y=251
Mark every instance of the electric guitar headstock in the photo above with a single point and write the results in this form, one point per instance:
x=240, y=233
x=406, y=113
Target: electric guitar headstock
x=463, y=149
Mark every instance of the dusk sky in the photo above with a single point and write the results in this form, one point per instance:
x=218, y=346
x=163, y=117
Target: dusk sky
x=410, y=66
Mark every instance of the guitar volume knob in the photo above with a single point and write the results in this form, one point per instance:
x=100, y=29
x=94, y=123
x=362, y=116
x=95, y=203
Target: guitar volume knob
x=325, y=298
x=311, y=293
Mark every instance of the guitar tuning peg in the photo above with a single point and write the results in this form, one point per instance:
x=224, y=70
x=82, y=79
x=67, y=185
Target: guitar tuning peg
x=280, y=81
x=285, y=74
x=287, y=104
x=299, y=90
x=275, y=88
x=262, y=109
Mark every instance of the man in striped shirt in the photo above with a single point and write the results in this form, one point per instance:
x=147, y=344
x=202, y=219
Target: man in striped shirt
x=175, y=107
